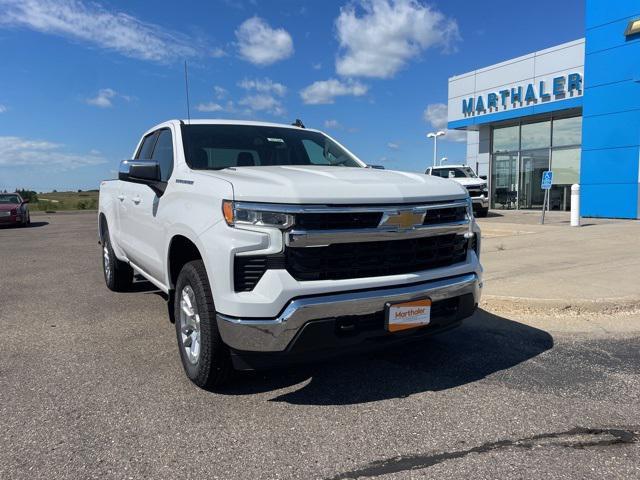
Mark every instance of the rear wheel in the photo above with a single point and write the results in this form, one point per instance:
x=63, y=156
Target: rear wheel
x=118, y=275
x=204, y=355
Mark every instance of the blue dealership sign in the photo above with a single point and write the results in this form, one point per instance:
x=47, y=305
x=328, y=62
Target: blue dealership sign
x=524, y=95
x=547, y=179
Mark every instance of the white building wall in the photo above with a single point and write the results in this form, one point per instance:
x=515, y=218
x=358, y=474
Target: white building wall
x=543, y=65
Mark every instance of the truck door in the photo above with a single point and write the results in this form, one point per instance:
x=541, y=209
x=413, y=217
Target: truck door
x=129, y=190
x=147, y=215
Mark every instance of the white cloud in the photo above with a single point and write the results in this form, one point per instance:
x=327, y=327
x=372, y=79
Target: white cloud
x=393, y=146
x=263, y=103
x=316, y=66
x=104, y=98
x=333, y=124
x=209, y=107
x=218, y=52
x=325, y=91
x=260, y=44
x=22, y=152
x=265, y=85
x=95, y=24
x=378, y=37
x=219, y=92
x=3, y=108
x=436, y=115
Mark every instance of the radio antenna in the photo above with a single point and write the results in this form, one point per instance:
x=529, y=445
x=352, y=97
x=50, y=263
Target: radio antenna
x=186, y=87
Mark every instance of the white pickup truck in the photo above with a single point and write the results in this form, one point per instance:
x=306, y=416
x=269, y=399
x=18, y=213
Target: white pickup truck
x=274, y=243
x=465, y=176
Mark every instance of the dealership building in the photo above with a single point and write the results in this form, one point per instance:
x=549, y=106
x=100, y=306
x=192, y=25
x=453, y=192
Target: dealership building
x=573, y=109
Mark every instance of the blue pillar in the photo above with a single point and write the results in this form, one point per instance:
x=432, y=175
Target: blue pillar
x=609, y=169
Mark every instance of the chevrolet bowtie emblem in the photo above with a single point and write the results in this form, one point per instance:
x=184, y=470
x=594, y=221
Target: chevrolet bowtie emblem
x=403, y=219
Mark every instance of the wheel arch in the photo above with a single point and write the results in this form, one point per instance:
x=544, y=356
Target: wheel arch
x=181, y=251
x=102, y=226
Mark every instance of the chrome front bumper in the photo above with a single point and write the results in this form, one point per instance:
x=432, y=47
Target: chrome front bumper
x=275, y=334
x=482, y=202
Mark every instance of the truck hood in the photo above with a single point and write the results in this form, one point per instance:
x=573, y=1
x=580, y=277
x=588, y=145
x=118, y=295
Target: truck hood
x=335, y=185
x=470, y=182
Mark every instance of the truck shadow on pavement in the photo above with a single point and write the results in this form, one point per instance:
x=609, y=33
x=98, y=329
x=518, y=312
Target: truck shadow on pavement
x=483, y=345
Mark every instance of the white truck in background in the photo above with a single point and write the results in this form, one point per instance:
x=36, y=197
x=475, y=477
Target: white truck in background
x=274, y=243
x=465, y=176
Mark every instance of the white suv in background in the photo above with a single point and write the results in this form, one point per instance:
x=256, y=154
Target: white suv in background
x=465, y=176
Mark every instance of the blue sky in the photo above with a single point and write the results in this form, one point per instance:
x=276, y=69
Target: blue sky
x=80, y=81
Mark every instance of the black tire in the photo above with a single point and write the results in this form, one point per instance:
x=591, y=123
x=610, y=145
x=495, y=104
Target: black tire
x=119, y=276
x=212, y=367
x=483, y=212
x=26, y=221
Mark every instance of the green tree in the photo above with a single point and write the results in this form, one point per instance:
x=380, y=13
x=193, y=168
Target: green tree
x=28, y=195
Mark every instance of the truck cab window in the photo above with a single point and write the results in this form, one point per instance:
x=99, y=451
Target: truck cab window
x=163, y=154
x=145, y=150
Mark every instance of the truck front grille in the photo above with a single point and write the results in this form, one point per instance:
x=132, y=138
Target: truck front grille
x=374, y=259
x=445, y=215
x=337, y=221
x=475, y=191
x=349, y=258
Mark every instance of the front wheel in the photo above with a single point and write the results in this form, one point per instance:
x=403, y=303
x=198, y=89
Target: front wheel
x=483, y=212
x=204, y=355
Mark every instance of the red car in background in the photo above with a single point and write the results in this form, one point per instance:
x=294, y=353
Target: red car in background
x=14, y=210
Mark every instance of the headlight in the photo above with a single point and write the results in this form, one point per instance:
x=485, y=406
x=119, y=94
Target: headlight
x=254, y=215
x=485, y=191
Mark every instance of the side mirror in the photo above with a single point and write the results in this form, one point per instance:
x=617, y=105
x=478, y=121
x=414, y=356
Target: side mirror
x=377, y=167
x=145, y=172
x=26, y=200
x=483, y=177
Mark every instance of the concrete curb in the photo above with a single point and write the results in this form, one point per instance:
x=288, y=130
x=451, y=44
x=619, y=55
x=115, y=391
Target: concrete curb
x=561, y=307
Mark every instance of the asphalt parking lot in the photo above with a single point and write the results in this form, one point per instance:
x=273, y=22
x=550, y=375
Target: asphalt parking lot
x=91, y=386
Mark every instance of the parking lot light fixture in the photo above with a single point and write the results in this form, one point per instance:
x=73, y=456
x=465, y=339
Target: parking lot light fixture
x=435, y=136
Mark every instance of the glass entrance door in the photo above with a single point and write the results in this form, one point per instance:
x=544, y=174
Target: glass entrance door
x=533, y=163
x=504, y=180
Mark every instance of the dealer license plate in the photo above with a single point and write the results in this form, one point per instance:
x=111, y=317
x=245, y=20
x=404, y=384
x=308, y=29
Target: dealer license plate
x=407, y=315
x=5, y=214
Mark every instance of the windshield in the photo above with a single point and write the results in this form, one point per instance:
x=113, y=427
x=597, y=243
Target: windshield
x=214, y=147
x=454, y=172
x=4, y=198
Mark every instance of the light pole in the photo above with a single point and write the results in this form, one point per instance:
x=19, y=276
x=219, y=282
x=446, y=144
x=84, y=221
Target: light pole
x=435, y=136
x=443, y=160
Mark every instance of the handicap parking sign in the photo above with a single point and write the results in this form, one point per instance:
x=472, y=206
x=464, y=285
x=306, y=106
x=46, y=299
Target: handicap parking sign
x=547, y=179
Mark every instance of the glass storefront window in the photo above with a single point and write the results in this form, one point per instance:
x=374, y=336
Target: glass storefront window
x=504, y=177
x=506, y=139
x=533, y=163
x=565, y=163
x=520, y=153
x=567, y=131
x=536, y=135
